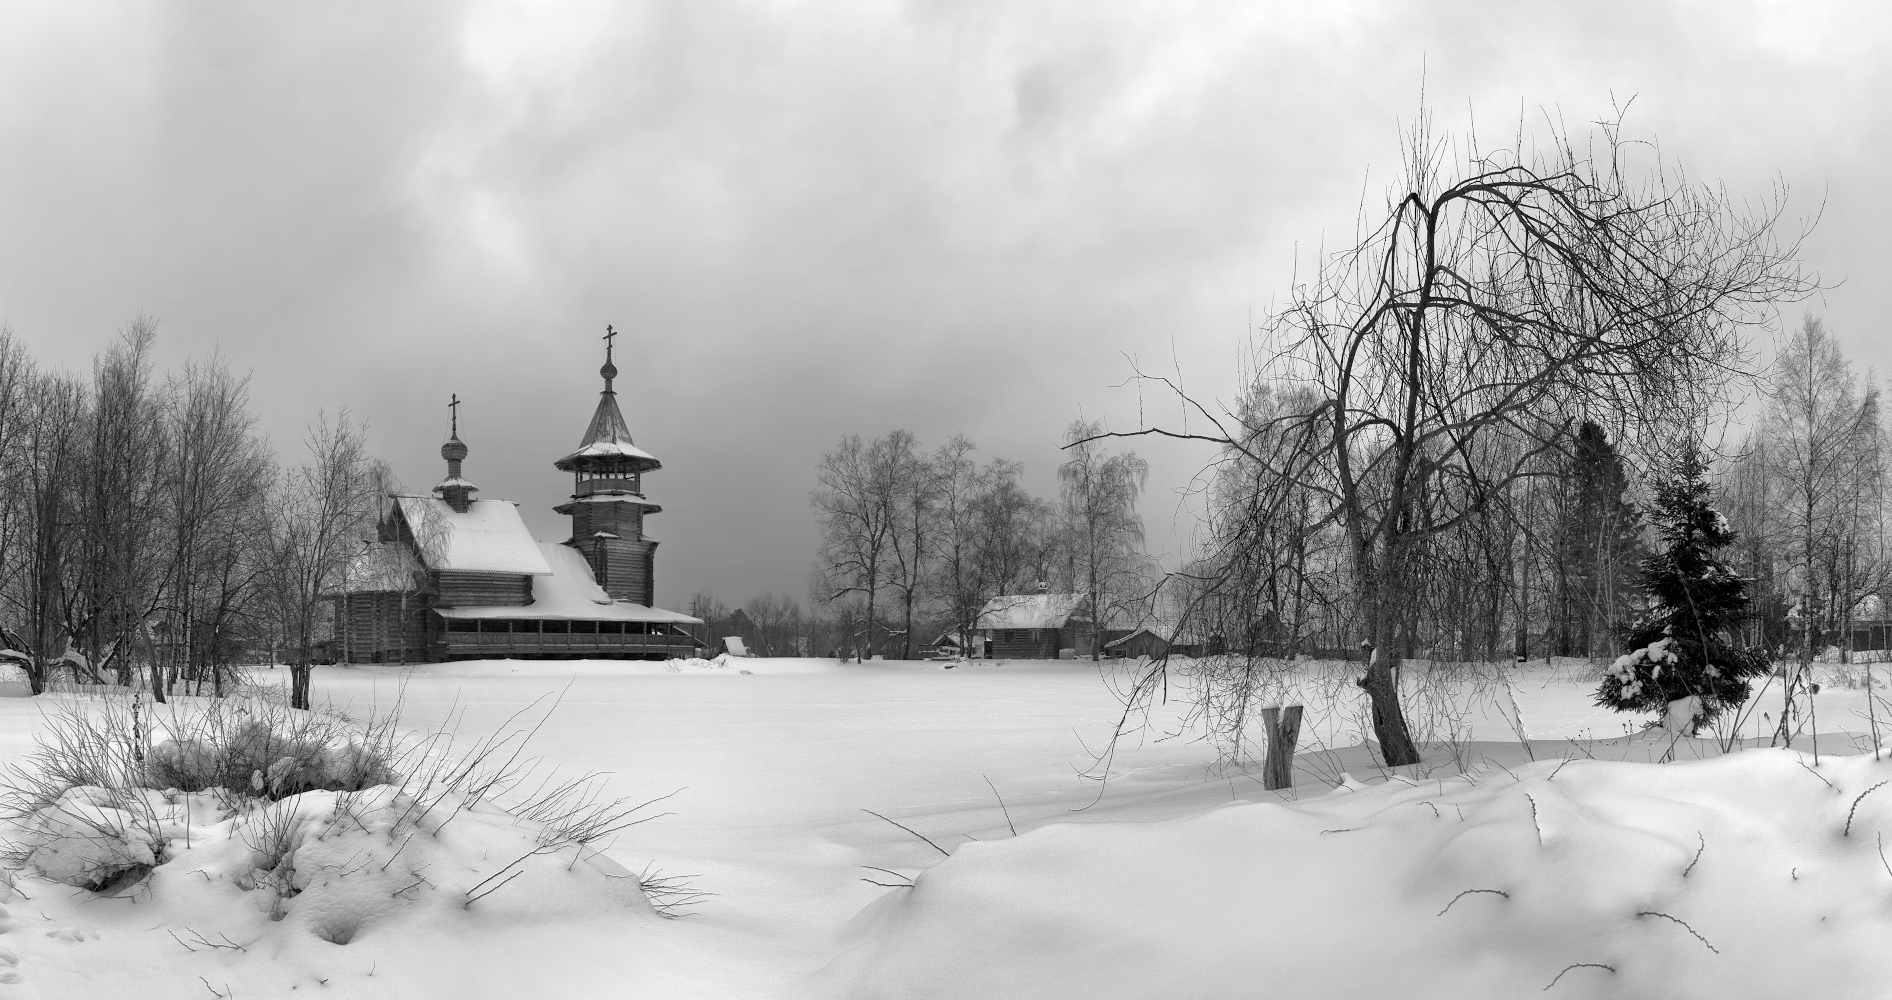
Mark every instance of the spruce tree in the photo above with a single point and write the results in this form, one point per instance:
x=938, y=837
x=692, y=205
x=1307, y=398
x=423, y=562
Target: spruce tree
x=1598, y=545
x=1683, y=646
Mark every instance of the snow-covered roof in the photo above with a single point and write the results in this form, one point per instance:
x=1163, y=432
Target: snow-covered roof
x=570, y=594
x=1140, y=631
x=607, y=442
x=1030, y=610
x=610, y=449
x=611, y=496
x=488, y=538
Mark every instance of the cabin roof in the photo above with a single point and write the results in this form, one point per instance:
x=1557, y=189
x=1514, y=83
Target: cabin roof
x=570, y=594
x=488, y=537
x=1121, y=640
x=1030, y=610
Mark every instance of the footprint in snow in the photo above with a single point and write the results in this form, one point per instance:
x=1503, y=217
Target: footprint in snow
x=13, y=985
x=72, y=934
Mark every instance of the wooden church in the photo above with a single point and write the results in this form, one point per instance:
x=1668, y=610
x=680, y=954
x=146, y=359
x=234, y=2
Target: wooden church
x=451, y=577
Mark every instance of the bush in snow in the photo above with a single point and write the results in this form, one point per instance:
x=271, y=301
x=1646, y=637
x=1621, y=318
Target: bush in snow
x=113, y=794
x=1681, y=661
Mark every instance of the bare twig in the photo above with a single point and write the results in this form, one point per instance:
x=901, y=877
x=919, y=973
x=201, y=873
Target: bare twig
x=1462, y=895
x=1684, y=923
x=1849, y=813
x=1702, y=847
x=910, y=830
x=1008, y=812
x=1580, y=965
x=1822, y=778
x=474, y=899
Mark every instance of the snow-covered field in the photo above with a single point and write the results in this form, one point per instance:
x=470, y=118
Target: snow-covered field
x=1498, y=867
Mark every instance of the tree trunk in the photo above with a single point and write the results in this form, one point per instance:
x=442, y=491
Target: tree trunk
x=1382, y=593
x=1284, y=729
x=299, y=685
x=157, y=681
x=1389, y=723
x=907, y=651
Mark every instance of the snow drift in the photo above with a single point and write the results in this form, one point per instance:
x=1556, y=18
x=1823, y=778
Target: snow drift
x=1757, y=874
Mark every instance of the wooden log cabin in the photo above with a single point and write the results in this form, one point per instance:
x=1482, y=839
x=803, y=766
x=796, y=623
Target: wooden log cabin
x=1035, y=626
x=450, y=577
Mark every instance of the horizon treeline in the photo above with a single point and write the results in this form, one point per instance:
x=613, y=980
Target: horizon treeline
x=915, y=542
x=150, y=536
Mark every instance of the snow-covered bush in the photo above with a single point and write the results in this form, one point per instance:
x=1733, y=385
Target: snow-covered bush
x=284, y=802
x=1681, y=660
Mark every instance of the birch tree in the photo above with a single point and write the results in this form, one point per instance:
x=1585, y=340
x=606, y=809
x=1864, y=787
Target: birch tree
x=1104, y=532
x=1820, y=423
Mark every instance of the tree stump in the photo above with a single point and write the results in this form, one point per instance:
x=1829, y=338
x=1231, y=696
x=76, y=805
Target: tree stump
x=1284, y=728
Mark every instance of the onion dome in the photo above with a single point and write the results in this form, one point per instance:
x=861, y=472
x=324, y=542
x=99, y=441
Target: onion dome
x=455, y=490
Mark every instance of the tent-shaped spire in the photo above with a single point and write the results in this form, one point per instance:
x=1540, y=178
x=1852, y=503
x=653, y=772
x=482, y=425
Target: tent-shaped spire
x=607, y=445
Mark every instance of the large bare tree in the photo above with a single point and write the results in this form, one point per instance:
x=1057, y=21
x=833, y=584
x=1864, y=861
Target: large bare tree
x=123, y=502
x=1502, y=293
x=217, y=481
x=323, y=514
x=49, y=460
x=856, y=505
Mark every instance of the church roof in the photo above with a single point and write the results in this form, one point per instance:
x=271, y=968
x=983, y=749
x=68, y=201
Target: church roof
x=570, y=594
x=607, y=445
x=488, y=538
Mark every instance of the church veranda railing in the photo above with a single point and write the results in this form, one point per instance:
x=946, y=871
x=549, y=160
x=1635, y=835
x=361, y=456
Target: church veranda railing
x=493, y=644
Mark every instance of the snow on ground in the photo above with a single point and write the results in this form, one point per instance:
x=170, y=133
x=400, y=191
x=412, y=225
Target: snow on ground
x=1179, y=879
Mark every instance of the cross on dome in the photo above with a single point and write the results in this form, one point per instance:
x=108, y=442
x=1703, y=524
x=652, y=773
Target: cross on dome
x=609, y=371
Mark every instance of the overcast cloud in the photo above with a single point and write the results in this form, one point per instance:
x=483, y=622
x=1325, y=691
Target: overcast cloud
x=814, y=219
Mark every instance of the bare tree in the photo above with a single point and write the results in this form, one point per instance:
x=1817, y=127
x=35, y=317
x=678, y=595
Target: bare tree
x=1009, y=529
x=1104, y=532
x=1820, y=425
x=855, y=508
x=216, y=475
x=913, y=536
x=1503, y=294
x=124, y=511
x=50, y=457
x=324, y=511
x=18, y=382
x=960, y=580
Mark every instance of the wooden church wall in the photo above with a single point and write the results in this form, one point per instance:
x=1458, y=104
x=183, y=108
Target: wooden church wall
x=465, y=590
x=383, y=628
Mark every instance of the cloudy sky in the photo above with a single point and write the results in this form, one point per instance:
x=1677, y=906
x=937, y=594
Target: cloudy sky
x=816, y=219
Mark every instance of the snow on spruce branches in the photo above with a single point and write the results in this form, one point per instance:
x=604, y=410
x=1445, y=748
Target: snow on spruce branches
x=1680, y=660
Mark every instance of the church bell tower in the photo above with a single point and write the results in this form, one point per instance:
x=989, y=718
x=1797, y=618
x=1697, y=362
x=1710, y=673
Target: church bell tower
x=607, y=507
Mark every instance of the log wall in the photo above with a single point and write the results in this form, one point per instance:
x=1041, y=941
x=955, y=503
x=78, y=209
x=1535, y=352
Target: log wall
x=479, y=590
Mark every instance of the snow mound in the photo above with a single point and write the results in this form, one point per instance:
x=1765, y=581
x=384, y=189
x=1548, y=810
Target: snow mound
x=324, y=864
x=1750, y=875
